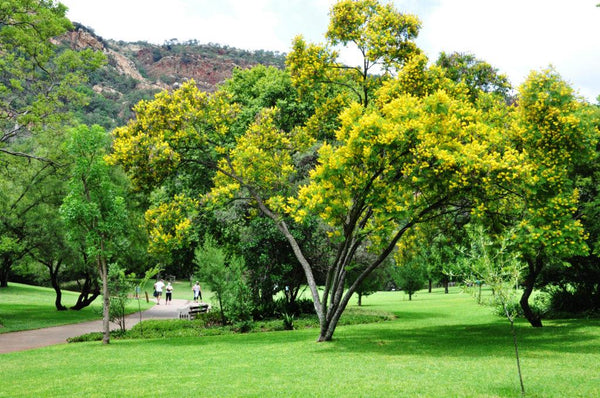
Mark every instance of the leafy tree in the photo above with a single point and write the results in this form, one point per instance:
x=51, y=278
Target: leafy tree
x=226, y=279
x=374, y=282
x=93, y=209
x=410, y=276
x=119, y=288
x=391, y=152
x=477, y=75
x=557, y=132
x=50, y=247
x=25, y=197
x=576, y=287
x=38, y=81
x=494, y=264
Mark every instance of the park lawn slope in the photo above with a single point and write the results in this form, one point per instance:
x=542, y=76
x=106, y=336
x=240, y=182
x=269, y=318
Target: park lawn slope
x=25, y=307
x=439, y=345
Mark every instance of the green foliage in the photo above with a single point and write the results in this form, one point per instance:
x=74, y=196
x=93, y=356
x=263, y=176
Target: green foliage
x=477, y=75
x=120, y=287
x=226, y=277
x=572, y=300
x=39, y=80
x=93, y=209
x=494, y=264
x=409, y=277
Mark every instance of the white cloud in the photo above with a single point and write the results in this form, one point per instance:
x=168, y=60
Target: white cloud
x=519, y=36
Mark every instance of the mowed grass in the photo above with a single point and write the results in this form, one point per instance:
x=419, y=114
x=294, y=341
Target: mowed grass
x=24, y=307
x=439, y=345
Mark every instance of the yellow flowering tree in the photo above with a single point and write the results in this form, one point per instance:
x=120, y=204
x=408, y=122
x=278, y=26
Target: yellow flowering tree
x=379, y=155
x=557, y=132
x=383, y=153
x=170, y=224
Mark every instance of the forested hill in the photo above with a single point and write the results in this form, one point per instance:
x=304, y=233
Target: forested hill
x=136, y=71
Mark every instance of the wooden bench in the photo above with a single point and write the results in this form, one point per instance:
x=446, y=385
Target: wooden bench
x=191, y=311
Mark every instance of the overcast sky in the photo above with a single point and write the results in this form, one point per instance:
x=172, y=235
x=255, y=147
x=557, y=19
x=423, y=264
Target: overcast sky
x=515, y=36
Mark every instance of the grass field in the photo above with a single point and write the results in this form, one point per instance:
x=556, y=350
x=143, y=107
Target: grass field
x=24, y=307
x=438, y=346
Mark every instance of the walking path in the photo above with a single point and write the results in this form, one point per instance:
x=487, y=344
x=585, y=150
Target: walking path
x=29, y=339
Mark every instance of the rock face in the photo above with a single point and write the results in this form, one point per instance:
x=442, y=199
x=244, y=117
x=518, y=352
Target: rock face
x=160, y=66
x=136, y=71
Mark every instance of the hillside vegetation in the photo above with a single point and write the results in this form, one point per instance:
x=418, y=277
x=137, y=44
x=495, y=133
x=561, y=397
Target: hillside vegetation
x=136, y=71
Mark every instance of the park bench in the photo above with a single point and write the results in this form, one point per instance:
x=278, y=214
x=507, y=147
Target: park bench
x=191, y=311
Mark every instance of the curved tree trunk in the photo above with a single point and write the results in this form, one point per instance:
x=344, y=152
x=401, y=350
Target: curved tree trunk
x=534, y=267
x=54, y=271
x=57, y=302
x=88, y=293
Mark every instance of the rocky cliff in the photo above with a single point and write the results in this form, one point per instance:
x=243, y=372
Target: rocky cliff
x=136, y=71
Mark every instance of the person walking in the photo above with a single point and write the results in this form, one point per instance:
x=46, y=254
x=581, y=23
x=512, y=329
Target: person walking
x=169, y=294
x=158, y=289
x=197, y=292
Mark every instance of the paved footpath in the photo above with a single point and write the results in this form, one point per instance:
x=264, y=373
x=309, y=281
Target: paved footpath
x=29, y=339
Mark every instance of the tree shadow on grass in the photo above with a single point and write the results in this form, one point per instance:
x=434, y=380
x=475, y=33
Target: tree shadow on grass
x=478, y=340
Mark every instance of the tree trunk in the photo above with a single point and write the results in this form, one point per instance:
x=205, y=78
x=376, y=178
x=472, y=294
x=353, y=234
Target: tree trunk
x=5, y=271
x=328, y=325
x=430, y=284
x=89, y=292
x=57, y=301
x=102, y=268
x=359, y=299
x=54, y=270
x=534, y=267
x=223, y=319
x=446, y=286
x=410, y=296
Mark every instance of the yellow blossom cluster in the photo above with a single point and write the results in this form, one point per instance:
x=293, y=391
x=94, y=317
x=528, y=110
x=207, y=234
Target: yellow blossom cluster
x=170, y=224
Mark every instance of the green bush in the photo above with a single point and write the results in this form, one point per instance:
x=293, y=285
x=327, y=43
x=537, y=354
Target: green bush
x=296, y=308
x=209, y=319
x=95, y=336
x=539, y=306
x=208, y=325
x=571, y=300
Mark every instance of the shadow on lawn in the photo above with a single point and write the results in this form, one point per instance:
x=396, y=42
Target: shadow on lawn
x=468, y=340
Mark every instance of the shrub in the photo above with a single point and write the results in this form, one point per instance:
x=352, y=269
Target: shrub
x=539, y=306
x=571, y=300
x=288, y=321
x=163, y=328
x=296, y=308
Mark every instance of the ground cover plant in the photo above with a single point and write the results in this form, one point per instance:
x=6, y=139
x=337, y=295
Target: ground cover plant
x=438, y=345
x=209, y=324
x=24, y=307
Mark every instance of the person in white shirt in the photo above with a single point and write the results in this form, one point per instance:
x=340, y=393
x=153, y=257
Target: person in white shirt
x=158, y=288
x=197, y=292
x=169, y=294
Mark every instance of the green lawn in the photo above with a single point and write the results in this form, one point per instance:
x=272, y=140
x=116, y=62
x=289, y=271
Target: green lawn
x=24, y=307
x=439, y=346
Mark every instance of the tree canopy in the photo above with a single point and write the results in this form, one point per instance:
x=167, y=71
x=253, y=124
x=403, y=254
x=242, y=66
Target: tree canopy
x=39, y=80
x=390, y=151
